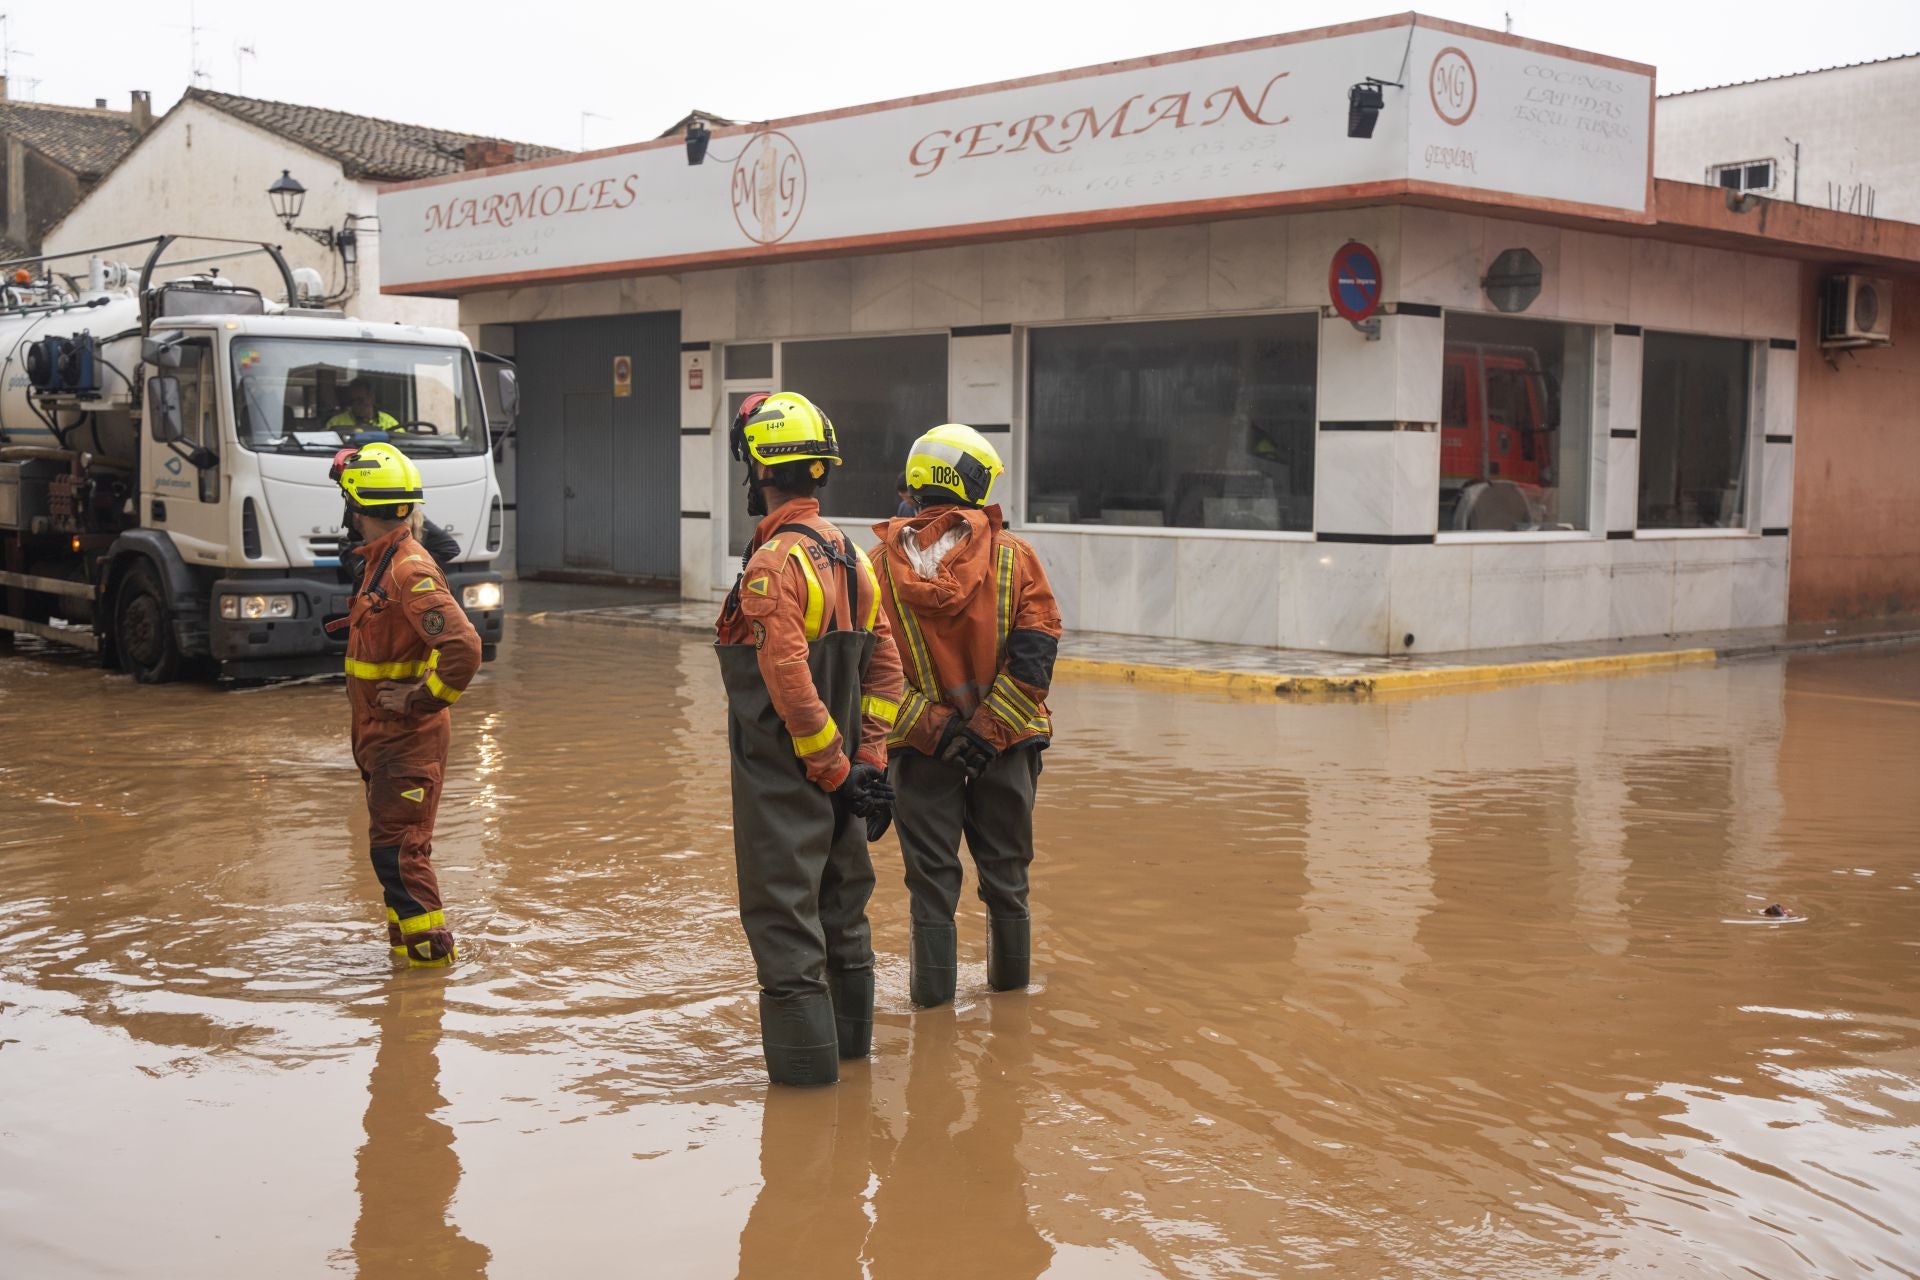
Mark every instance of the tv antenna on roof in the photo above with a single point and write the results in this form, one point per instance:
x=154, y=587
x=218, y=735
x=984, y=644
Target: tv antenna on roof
x=241, y=52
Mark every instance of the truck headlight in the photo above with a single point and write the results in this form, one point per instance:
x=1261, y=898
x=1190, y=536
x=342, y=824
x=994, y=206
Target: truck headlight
x=481, y=595
x=255, y=608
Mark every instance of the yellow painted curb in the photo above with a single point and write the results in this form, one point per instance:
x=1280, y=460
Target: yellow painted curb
x=1276, y=685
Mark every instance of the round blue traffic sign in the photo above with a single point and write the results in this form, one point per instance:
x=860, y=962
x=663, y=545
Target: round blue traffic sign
x=1354, y=281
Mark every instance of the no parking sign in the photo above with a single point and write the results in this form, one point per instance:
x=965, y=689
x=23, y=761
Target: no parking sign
x=1354, y=281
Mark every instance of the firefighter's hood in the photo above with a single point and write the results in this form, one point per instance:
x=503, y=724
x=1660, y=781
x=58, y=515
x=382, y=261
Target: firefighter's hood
x=965, y=573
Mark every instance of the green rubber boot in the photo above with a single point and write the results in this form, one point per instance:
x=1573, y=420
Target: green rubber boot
x=1009, y=952
x=852, y=992
x=933, y=968
x=796, y=1034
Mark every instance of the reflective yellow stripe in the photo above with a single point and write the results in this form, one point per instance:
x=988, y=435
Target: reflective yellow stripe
x=1013, y=693
x=386, y=670
x=422, y=923
x=888, y=712
x=1005, y=593
x=912, y=707
x=814, y=598
x=873, y=591
x=1020, y=713
x=817, y=741
x=440, y=690
x=916, y=646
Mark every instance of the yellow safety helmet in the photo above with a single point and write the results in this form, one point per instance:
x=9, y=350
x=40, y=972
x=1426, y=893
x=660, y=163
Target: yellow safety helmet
x=956, y=458
x=378, y=475
x=784, y=427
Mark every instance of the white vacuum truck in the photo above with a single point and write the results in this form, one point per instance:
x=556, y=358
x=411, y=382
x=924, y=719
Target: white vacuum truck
x=165, y=442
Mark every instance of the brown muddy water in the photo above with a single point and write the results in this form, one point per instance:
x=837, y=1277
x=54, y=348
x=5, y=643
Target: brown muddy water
x=1463, y=986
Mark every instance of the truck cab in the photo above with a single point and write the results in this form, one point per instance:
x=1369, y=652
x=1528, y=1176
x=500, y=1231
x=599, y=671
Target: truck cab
x=1499, y=438
x=177, y=512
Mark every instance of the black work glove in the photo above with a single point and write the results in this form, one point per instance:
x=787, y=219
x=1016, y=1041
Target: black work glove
x=962, y=746
x=863, y=786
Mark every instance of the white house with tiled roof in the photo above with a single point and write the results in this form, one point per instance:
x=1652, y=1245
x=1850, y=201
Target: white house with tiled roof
x=203, y=169
x=1838, y=137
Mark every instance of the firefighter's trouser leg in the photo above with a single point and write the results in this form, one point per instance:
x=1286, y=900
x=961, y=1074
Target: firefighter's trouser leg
x=403, y=797
x=935, y=805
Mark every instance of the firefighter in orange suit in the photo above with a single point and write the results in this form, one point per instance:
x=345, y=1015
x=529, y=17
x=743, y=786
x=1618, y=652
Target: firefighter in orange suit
x=813, y=685
x=978, y=631
x=410, y=654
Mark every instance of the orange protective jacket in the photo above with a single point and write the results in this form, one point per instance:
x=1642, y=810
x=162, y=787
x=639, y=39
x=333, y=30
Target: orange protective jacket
x=791, y=592
x=404, y=626
x=978, y=638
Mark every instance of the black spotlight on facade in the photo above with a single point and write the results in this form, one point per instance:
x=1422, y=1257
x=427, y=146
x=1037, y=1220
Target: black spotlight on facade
x=698, y=136
x=1364, y=101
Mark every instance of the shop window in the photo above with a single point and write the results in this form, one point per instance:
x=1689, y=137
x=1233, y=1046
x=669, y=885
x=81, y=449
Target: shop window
x=750, y=361
x=1694, y=432
x=882, y=394
x=1198, y=424
x=1515, y=424
x=1748, y=175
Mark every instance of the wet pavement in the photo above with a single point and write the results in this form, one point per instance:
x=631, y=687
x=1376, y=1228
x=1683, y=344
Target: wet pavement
x=1459, y=986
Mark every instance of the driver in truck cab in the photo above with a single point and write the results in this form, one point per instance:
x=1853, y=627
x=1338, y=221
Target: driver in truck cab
x=360, y=413
x=410, y=654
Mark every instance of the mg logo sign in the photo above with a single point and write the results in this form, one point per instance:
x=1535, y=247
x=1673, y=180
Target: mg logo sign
x=769, y=187
x=1452, y=85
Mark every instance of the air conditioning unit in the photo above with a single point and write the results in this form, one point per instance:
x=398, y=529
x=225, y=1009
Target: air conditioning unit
x=1856, y=311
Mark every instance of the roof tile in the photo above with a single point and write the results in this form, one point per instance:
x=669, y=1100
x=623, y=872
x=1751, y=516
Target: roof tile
x=87, y=140
x=366, y=147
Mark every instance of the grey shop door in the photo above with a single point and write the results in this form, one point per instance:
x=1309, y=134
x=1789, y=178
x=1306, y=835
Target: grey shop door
x=599, y=473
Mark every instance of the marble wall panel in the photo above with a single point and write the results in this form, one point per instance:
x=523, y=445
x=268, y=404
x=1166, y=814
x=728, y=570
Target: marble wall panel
x=1430, y=597
x=882, y=288
x=1623, y=483
x=1640, y=593
x=823, y=297
x=1100, y=275
x=1508, y=604
x=980, y=379
x=1229, y=590
x=1703, y=584
x=1170, y=270
x=1442, y=258
x=709, y=302
x=1060, y=555
x=948, y=286
x=1771, y=301
x=764, y=308
x=1576, y=592
x=1781, y=388
x=1660, y=285
x=1247, y=264
x=1340, y=600
x=1023, y=281
x=1354, y=474
x=1776, y=486
x=1595, y=277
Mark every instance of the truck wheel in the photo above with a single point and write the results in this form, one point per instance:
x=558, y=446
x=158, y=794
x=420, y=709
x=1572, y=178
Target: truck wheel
x=143, y=629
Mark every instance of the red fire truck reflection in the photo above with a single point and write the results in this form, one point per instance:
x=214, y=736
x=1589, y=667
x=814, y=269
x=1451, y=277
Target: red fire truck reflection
x=1499, y=439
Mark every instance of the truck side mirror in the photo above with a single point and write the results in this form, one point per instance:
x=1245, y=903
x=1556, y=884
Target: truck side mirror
x=164, y=421
x=507, y=392
x=163, y=353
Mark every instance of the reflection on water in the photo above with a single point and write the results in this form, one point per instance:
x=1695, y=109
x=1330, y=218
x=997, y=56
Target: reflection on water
x=1472, y=985
x=407, y=1171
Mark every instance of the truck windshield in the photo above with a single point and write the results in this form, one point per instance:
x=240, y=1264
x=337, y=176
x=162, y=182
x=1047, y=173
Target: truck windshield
x=310, y=395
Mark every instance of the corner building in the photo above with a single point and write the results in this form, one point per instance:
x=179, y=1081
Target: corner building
x=1569, y=410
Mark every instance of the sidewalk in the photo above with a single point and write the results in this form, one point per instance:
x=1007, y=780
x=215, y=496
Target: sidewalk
x=1301, y=673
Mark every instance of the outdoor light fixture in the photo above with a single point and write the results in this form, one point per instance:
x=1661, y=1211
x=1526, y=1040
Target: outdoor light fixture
x=288, y=196
x=1364, y=102
x=698, y=135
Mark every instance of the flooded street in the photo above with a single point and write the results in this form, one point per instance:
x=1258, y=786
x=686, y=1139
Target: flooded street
x=1466, y=985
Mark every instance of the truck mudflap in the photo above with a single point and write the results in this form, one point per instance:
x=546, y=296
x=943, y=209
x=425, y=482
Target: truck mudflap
x=279, y=627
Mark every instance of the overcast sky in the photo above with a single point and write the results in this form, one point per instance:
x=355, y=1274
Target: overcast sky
x=528, y=71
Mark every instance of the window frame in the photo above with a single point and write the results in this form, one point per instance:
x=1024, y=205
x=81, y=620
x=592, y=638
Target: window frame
x=729, y=489
x=1773, y=175
x=1749, y=527
x=1598, y=432
x=1016, y=503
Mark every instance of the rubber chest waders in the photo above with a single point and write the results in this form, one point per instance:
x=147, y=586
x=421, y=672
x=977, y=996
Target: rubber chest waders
x=801, y=860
